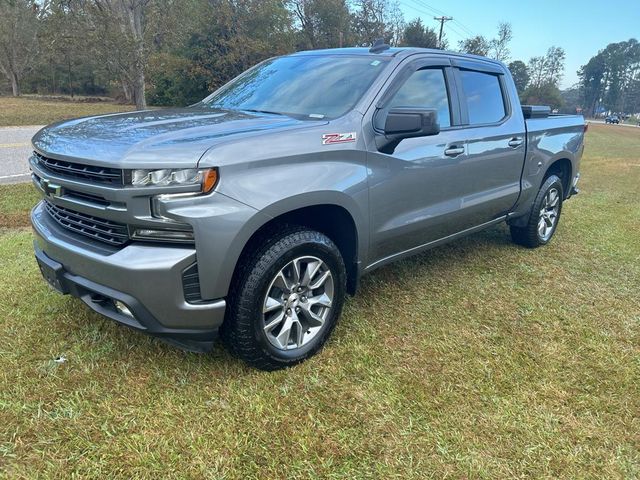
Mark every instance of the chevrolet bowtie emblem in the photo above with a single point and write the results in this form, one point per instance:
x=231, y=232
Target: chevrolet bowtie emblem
x=50, y=189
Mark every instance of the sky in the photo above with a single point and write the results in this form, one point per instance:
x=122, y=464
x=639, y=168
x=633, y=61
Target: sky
x=581, y=27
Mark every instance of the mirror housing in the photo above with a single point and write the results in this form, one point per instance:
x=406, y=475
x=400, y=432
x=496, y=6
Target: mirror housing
x=407, y=122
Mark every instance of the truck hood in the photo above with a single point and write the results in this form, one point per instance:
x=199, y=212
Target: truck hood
x=153, y=138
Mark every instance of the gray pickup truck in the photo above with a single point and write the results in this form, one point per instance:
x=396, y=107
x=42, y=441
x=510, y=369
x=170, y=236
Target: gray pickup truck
x=253, y=213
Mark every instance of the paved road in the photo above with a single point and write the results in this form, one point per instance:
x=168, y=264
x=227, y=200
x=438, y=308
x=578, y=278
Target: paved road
x=601, y=122
x=15, y=148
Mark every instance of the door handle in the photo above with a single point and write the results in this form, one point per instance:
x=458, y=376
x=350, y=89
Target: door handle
x=515, y=142
x=454, y=151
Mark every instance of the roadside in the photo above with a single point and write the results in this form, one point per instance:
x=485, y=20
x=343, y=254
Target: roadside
x=602, y=122
x=33, y=110
x=15, y=147
x=21, y=118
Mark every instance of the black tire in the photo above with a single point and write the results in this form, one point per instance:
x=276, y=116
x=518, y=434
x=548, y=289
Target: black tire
x=529, y=235
x=243, y=330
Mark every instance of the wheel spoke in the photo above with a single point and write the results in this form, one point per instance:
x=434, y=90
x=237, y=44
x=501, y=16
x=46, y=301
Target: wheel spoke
x=299, y=334
x=320, y=281
x=322, y=300
x=285, y=332
x=272, y=304
x=310, y=272
x=281, y=282
x=542, y=226
x=295, y=270
x=274, y=323
x=553, y=197
x=313, y=319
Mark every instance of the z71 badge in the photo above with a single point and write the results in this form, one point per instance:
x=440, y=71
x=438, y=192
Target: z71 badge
x=331, y=138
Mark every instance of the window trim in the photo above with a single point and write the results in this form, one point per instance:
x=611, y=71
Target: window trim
x=403, y=75
x=473, y=67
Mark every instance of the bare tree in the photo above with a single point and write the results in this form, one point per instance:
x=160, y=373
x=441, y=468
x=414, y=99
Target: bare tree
x=500, y=45
x=120, y=27
x=19, y=25
x=373, y=19
x=537, y=68
x=323, y=23
x=477, y=45
x=554, y=65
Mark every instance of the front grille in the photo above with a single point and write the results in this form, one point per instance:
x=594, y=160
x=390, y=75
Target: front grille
x=106, y=231
x=105, y=175
x=86, y=196
x=68, y=193
x=191, y=284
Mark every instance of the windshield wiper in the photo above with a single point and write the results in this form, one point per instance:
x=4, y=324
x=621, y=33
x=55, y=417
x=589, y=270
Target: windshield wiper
x=262, y=111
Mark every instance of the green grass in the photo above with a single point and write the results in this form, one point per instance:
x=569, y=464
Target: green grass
x=41, y=111
x=479, y=359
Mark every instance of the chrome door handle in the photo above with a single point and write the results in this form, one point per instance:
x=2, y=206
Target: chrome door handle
x=515, y=142
x=454, y=151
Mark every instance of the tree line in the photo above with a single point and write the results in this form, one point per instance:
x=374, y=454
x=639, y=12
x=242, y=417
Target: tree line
x=610, y=80
x=175, y=52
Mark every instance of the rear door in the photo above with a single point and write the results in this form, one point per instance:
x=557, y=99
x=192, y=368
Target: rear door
x=494, y=138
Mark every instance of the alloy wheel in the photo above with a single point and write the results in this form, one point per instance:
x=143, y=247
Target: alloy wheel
x=549, y=214
x=297, y=303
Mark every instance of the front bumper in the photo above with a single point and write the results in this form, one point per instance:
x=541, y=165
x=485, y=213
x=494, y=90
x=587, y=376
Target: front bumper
x=145, y=278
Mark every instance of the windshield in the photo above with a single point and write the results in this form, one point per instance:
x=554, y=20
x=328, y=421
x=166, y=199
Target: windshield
x=302, y=86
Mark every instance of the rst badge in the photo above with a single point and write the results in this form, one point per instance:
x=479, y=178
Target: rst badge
x=331, y=138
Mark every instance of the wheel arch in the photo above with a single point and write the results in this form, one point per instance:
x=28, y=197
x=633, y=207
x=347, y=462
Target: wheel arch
x=563, y=168
x=346, y=228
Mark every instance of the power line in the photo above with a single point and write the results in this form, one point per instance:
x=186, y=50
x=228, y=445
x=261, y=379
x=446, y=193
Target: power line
x=466, y=29
x=442, y=21
x=419, y=8
x=456, y=31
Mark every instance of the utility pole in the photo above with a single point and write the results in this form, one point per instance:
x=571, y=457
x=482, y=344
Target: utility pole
x=442, y=21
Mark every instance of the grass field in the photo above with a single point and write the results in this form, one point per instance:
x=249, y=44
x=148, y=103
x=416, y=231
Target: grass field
x=475, y=360
x=37, y=111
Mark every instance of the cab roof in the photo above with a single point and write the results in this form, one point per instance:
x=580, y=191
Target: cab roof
x=399, y=52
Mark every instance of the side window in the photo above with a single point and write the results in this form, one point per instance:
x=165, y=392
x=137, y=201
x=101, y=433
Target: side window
x=483, y=93
x=427, y=89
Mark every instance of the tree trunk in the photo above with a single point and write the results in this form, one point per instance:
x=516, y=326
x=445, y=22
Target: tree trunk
x=126, y=89
x=15, y=85
x=138, y=91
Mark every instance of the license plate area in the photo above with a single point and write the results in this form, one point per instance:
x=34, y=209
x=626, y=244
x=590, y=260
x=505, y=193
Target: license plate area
x=52, y=272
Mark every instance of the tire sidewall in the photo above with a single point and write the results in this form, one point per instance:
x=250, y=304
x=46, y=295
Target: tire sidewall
x=325, y=251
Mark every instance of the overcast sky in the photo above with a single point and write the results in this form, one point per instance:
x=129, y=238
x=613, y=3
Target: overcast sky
x=581, y=27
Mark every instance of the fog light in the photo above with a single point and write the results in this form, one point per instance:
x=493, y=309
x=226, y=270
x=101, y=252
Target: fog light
x=122, y=308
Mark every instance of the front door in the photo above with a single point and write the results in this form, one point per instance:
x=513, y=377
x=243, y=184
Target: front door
x=431, y=187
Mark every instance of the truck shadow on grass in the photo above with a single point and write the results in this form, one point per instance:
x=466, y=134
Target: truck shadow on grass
x=425, y=275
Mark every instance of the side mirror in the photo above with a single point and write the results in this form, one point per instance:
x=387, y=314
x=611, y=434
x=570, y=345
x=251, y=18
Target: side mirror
x=407, y=122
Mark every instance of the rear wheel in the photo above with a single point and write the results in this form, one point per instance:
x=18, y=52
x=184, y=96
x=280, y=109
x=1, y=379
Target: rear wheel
x=286, y=299
x=544, y=217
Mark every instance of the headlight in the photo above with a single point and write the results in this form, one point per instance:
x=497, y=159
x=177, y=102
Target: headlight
x=206, y=178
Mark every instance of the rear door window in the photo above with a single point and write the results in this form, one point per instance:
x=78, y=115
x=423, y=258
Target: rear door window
x=483, y=95
x=425, y=88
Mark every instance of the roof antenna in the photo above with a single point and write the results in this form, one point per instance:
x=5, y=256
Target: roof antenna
x=379, y=46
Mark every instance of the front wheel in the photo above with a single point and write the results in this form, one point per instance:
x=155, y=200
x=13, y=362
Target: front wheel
x=286, y=299
x=544, y=217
